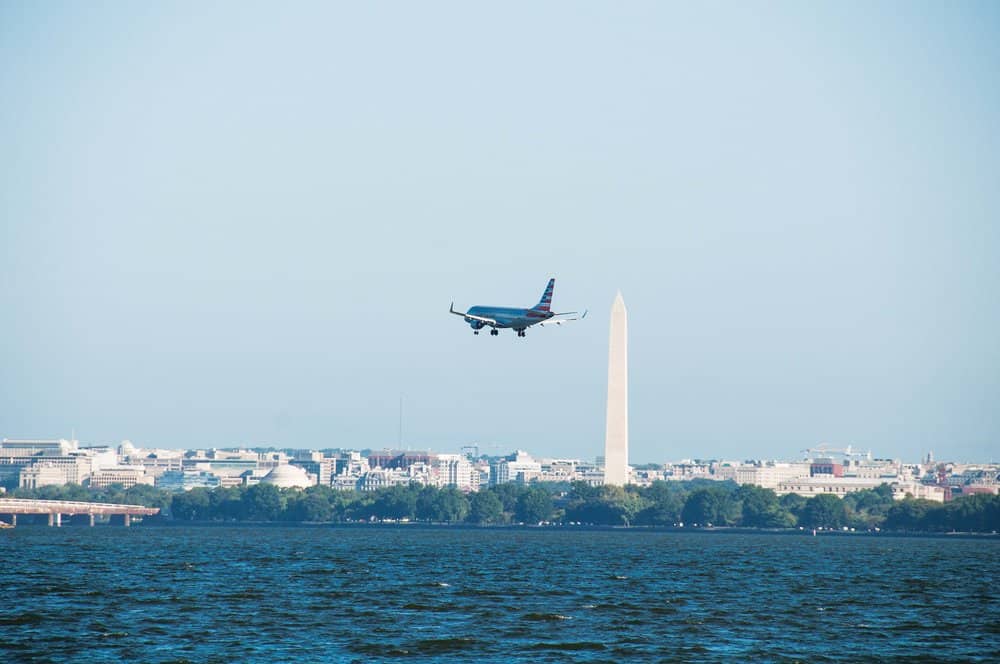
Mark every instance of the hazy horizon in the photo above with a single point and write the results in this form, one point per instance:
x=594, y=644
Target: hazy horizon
x=242, y=225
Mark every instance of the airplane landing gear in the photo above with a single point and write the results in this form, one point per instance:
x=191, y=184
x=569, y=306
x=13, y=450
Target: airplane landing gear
x=475, y=331
x=494, y=332
x=520, y=333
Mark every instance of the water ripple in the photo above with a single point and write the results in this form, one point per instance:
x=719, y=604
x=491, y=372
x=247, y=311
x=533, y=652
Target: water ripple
x=202, y=594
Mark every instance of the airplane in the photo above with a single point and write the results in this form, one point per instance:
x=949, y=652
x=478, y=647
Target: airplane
x=497, y=318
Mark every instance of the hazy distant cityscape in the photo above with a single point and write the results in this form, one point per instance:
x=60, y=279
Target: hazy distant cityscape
x=822, y=471
x=32, y=464
x=499, y=332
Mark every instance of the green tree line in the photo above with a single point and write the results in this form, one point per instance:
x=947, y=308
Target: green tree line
x=696, y=503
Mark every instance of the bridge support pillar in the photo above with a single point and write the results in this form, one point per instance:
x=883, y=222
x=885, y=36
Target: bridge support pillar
x=52, y=519
x=13, y=520
x=128, y=520
x=91, y=520
x=58, y=520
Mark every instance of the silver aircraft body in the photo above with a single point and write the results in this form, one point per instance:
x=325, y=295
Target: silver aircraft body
x=517, y=319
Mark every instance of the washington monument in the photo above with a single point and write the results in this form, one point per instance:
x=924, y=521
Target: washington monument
x=616, y=437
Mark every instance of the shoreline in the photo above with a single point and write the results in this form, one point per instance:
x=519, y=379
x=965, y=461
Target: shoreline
x=716, y=530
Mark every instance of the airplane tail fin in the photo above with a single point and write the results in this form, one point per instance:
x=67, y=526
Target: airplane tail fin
x=545, y=304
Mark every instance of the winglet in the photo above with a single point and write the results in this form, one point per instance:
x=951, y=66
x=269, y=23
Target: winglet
x=452, y=310
x=559, y=321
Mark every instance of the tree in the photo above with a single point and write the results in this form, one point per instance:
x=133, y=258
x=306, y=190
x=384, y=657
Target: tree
x=485, y=507
x=426, y=507
x=867, y=508
x=711, y=506
x=824, y=510
x=975, y=513
x=793, y=503
x=666, y=497
x=662, y=513
x=877, y=500
x=191, y=505
x=623, y=503
x=148, y=495
x=884, y=491
x=340, y=501
x=450, y=505
x=761, y=509
x=583, y=491
x=594, y=511
x=607, y=505
x=74, y=492
x=263, y=502
x=700, y=507
x=397, y=502
x=113, y=493
x=227, y=503
x=534, y=506
x=508, y=494
x=908, y=514
x=309, y=507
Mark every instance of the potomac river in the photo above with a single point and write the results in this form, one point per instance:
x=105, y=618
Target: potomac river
x=256, y=593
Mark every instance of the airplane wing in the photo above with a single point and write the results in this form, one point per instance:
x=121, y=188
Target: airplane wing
x=482, y=319
x=560, y=321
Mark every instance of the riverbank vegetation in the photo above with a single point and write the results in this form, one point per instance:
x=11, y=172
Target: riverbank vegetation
x=694, y=504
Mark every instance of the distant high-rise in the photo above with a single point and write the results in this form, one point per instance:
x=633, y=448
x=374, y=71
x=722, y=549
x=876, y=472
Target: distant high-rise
x=616, y=437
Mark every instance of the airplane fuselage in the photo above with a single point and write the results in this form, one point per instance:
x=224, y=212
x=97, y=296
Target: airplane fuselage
x=507, y=317
x=515, y=318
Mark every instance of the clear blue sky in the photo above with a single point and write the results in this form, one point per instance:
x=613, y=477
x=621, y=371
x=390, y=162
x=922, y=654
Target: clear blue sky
x=243, y=223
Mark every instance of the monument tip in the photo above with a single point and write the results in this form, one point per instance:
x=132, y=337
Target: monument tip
x=619, y=302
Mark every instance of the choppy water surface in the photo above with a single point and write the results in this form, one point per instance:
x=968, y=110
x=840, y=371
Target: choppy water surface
x=370, y=594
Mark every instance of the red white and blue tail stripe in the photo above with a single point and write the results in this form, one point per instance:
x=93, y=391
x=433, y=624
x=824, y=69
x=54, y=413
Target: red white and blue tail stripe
x=545, y=304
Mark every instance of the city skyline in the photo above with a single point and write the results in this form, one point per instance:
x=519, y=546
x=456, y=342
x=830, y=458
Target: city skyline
x=499, y=451
x=244, y=225
x=37, y=464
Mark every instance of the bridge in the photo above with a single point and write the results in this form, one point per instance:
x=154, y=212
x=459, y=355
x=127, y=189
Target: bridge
x=57, y=508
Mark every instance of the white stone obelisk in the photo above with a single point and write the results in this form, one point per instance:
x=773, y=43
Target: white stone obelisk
x=616, y=436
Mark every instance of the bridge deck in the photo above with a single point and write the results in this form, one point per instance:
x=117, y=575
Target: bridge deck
x=26, y=506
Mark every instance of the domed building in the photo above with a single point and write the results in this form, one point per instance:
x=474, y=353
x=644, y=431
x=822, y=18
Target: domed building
x=126, y=449
x=287, y=476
